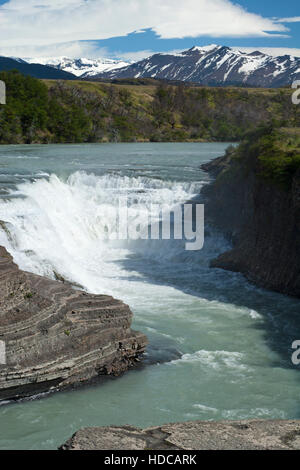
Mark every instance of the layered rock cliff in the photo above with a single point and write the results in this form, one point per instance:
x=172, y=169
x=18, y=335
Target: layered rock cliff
x=255, y=200
x=56, y=336
x=197, y=435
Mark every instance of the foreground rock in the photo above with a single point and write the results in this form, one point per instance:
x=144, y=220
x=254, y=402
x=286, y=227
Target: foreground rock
x=198, y=435
x=56, y=336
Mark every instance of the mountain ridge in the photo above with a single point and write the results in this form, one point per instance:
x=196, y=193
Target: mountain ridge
x=80, y=67
x=211, y=65
x=214, y=65
x=34, y=70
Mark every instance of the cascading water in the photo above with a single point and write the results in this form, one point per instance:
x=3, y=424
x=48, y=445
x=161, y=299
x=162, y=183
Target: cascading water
x=219, y=346
x=64, y=227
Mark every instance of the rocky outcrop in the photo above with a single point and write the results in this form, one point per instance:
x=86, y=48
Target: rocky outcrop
x=56, y=336
x=197, y=435
x=261, y=218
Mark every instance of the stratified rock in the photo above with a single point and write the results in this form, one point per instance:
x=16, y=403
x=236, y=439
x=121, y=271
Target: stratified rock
x=197, y=435
x=56, y=336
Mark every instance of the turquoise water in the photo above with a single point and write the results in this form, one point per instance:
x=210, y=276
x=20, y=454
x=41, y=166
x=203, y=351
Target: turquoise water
x=220, y=348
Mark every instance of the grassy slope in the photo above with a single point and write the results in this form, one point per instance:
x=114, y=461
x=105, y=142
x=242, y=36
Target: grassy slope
x=280, y=155
x=273, y=153
x=51, y=111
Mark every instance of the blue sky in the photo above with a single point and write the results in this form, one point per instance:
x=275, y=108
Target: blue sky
x=132, y=29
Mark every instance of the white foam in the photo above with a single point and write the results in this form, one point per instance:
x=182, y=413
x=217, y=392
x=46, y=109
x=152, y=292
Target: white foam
x=256, y=413
x=255, y=315
x=214, y=359
x=60, y=225
x=205, y=408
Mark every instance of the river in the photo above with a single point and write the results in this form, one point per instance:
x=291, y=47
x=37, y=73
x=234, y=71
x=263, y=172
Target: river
x=219, y=347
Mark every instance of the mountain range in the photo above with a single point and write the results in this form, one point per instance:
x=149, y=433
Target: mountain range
x=34, y=70
x=214, y=65
x=81, y=67
x=61, y=68
x=208, y=65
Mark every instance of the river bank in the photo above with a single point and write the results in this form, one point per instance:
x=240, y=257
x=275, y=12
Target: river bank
x=255, y=201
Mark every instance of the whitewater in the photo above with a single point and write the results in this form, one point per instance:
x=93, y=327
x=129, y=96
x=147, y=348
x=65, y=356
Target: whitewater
x=219, y=347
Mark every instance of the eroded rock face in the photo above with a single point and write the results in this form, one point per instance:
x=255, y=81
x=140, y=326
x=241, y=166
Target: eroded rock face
x=197, y=435
x=56, y=336
x=262, y=221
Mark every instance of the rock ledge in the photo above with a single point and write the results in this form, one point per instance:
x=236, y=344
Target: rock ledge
x=56, y=336
x=197, y=435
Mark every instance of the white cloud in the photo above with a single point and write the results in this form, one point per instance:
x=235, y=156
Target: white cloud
x=140, y=31
x=29, y=23
x=75, y=49
x=294, y=19
x=273, y=51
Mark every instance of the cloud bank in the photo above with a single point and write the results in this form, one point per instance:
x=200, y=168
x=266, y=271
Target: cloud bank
x=31, y=23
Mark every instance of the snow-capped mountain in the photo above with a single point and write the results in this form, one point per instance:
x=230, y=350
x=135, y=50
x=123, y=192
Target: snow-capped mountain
x=80, y=67
x=207, y=65
x=214, y=65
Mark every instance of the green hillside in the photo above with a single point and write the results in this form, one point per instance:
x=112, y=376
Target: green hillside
x=76, y=111
x=273, y=153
